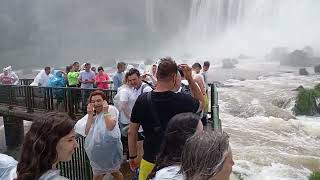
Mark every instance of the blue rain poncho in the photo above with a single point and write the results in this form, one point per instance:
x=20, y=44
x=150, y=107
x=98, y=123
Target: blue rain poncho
x=57, y=80
x=103, y=146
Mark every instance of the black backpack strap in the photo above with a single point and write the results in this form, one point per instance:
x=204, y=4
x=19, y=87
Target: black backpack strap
x=142, y=87
x=157, y=128
x=149, y=84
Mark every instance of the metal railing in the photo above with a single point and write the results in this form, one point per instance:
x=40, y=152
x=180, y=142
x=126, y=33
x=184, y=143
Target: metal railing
x=214, y=108
x=78, y=168
x=63, y=99
x=25, y=81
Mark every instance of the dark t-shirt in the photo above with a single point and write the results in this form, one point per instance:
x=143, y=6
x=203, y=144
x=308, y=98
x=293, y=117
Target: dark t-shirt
x=167, y=104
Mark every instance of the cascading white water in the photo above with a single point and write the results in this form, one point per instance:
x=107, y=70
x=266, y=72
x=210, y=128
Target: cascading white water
x=150, y=14
x=267, y=141
x=231, y=27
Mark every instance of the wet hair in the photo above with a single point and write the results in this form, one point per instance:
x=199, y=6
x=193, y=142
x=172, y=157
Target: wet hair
x=204, y=154
x=39, y=151
x=179, y=129
x=206, y=63
x=196, y=65
x=167, y=68
x=95, y=93
x=100, y=68
x=133, y=71
x=121, y=64
x=47, y=68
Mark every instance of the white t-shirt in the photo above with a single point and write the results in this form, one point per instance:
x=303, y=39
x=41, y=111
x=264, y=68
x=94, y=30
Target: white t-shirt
x=136, y=93
x=170, y=172
x=124, y=93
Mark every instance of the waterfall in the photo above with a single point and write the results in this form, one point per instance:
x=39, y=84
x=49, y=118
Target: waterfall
x=251, y=25
x=150, y=14
x=209, y=17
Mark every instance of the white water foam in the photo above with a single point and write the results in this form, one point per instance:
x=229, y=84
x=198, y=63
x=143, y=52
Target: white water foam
x=268, y=142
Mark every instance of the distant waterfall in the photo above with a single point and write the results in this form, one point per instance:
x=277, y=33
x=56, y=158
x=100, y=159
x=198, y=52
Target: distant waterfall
x=231, y=27
x=209, y=17
x=150, y=14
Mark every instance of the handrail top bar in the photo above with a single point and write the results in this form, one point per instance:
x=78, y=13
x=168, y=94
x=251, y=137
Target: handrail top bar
x=77, y=88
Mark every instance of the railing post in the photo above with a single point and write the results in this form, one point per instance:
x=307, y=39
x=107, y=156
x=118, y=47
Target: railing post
x=51, y=97
x=28, y=98
x=216, y=125
x=14, y=132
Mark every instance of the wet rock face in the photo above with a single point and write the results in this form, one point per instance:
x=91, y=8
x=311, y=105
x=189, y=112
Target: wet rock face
x=277, y=54
x=317, y=68
x=302, y=58
x=296, y=58
x=229, y=63
x=303, y=72
x=300, y=88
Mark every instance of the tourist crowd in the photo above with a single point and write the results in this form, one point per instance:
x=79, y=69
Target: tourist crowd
x=160, y=116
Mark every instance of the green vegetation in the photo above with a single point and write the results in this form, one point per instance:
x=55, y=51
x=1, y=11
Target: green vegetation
x=315, y=176
x=306, y=102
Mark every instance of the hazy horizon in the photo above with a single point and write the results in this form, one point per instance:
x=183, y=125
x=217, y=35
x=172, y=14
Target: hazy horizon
x=56, y=33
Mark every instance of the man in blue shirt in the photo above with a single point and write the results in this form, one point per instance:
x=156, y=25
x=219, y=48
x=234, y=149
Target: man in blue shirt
x=118, y=77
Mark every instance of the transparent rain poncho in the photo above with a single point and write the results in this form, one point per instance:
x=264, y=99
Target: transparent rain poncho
x=42, y=79
x=8, y=167
x=103, y=146
x=52, y=175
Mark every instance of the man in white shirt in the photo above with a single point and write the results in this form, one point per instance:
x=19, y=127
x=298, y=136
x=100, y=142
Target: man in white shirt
x=129, y=94
x=128, y=98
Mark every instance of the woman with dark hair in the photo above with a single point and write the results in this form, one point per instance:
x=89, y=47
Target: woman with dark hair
x=179, y=129
x=51, y=139
x=207, y=156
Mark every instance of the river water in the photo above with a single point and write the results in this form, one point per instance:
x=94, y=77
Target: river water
x=256, y=103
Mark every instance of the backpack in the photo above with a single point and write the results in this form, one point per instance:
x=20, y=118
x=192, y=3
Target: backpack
x=185, y=89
